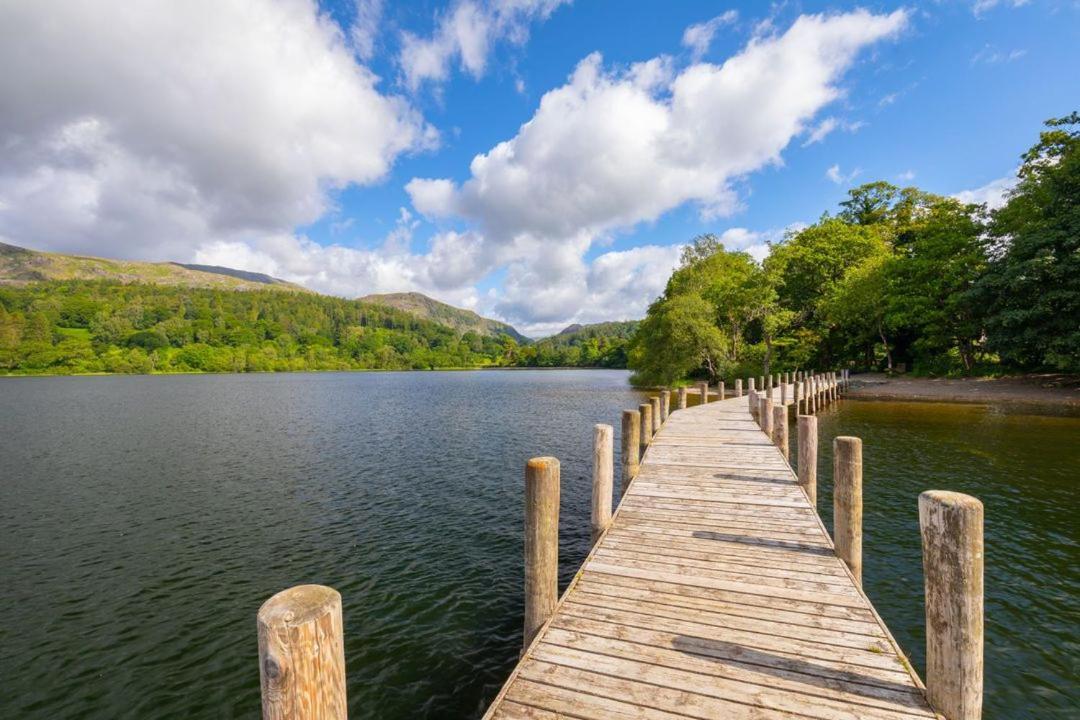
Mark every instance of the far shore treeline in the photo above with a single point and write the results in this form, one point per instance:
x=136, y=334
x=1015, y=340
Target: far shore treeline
x=897, y=277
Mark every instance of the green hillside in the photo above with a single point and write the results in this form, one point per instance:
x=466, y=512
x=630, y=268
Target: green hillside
x=19, y=266
x=596, y=345
x=430, y=309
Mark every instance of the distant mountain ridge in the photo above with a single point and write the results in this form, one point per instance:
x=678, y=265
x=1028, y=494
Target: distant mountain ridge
x=19, y=266
x=461, y=320
x=577, y=333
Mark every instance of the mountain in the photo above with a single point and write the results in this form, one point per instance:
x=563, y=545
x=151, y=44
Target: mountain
x=430, y=309
x=19, y=266
x=576, y=334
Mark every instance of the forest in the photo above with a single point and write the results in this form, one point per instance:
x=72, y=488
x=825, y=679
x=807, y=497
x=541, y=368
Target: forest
x=897, y=279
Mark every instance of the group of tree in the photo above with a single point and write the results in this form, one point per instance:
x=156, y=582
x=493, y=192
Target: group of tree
x=898, y=277
x=602, y=345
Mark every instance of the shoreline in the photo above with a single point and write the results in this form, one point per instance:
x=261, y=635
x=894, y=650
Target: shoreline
x=1032, y=391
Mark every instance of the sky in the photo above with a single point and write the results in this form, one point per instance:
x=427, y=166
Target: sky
x=538, y=161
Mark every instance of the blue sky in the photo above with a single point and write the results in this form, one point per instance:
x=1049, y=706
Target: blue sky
x=334, y=144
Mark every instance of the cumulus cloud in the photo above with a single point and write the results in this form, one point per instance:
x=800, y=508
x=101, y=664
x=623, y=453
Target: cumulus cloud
x=365, y=27
x=992, y=194
x=834, y=174
x=699, y=37
x=466, y=34
x=146, y=129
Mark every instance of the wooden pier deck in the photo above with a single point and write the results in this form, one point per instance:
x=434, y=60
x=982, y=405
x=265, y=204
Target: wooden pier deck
x=714, y=593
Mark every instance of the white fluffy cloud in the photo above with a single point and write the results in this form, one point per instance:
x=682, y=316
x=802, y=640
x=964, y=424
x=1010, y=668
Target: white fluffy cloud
x=466, y=34
x=992, y=194
x=834, y=174
x=145, y=129
x=611, y=149
x=699, y=37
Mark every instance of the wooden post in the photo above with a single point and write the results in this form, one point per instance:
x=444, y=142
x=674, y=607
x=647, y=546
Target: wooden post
x=665, y=405
x=766, y=419
x=797, y=400
x=952, y=544
x=682, y=398
x=541, y=543
x=752, y=399
x=302, y=655
x=847, y=502
x=750, y=387
x=603, y=478
x=783, y=394
x=631, y=440
x=761, y=383
x=780, y=433
x=720, y=390
x=808, y=456
x=655, y=415
x=738, y=387
x=645, y=411
x=703, y=388
x=812, y=397
x=769, y=387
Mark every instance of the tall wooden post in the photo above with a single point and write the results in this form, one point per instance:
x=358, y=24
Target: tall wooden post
x=682, y=398
x=720, y=390
x=541, y=543
x=665, y=405
x=631, y=440
x=813, y=396
x=302, y=655
x=645, y=411
x=952, y=542
x=751, y=387
x=765, y=411
x=783, y=394
x=761, y=383
x=797, y=399
x=738, y=387
x=769, y=386
x=703, y=388
x=780, y=430
x=752, y=400
x=603, y=478
x=847, y=502
x=655, y=414
x=807, y=430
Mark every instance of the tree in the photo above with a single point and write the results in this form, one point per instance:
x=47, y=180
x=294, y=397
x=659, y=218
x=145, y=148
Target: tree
x=858, y=304
x=677, y=337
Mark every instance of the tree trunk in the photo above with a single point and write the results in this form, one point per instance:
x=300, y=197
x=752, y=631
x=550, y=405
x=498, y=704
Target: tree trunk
x=885, y=342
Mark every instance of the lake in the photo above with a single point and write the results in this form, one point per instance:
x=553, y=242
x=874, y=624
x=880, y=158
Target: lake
x=143, y=520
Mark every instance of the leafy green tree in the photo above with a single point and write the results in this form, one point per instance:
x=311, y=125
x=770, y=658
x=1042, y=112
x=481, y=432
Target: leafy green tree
x=677, y=336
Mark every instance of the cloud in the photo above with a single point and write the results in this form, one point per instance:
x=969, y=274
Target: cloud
x=147, y=129
x=826, y=126
x=834, y=174
x=699, y=37
x=466, y=34
x=992, y=194
x=613, y=148
x=365, y=27
x=981, y=6
x=989, y=55
x=906, y=176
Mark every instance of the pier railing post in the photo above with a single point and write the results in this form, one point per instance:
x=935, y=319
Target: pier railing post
x=769, y=386
x=302, y=655
x=655, y=415
x=603, y=478
x=952, y=545
x=682, y=398
x=783, y=394
x=665, y=405
x=761, y=384
x=631, y=440
x=738, y=387
x=797, y=398
x=541, y=543
x=766, y=412
x=703, y=388
x=780, y=430
x=645, y=412
x=720, y=390
x=752, y=399
x=847, y=502
x=808, y=443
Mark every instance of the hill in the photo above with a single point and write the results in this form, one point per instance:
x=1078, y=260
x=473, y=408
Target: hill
x=597, y=345
x=576, y=334
x=430, y=309
x=19, y=266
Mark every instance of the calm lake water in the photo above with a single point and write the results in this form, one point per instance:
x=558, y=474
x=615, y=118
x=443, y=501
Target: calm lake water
x=143, y=520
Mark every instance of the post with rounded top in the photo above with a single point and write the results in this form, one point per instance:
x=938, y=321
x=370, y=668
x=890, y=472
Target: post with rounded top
x=952, y=546
x=738, y=387
x=631, y=439
x=813, y=396
x=780, y=430
x=761, y=383
x=752, y=401
x=769, y=386
x=645, y=412
x=665, y=405
x=807, y=431
x=783, y=395
x=847, y=502
x=655, y=414
x=603, y=478
x=541, y=543
x=750, y=385
x=766, y=416
x=682, y=398
x=720, y=390
x=703, y=388
x=302, y=655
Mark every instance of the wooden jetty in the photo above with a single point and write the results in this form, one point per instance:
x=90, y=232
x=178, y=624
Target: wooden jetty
x=715, y=590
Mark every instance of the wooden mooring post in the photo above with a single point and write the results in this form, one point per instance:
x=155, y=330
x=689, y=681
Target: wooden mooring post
x=665, y=405
x=682, y=398
x=655, y=415
x=302, y=655
x=780, y=430
x=703, y=388
x=808, y=445
x=765, y=412
x=631, y=450
x=952, y=543
x=541, y=543
x=769, y=386
x=603, y=478
x=645, y=413
x=738, y=387
x=720, y=391
x=847, y=502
